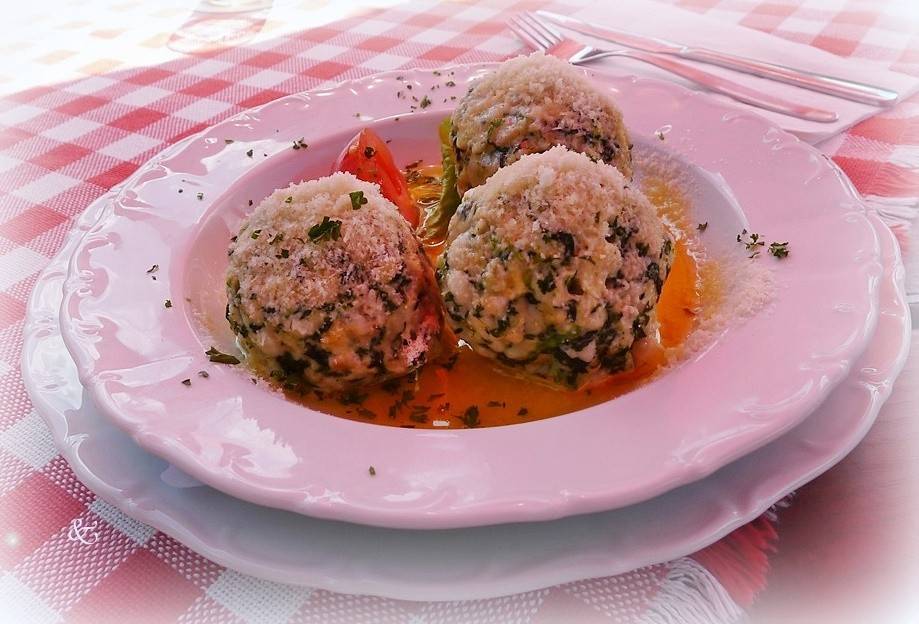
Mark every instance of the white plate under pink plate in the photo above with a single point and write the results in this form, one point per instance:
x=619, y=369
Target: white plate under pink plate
x=447, y=565
x=759, y=379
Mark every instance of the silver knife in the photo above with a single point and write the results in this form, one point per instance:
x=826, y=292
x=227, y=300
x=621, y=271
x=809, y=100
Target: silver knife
x=840, y=87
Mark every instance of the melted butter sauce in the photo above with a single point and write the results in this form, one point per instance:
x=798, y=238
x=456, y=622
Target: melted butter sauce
x=461, y=389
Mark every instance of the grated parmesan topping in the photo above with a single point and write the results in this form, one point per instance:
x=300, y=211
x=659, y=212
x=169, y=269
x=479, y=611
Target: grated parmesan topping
x=370, y=241
x=527, y=105
x=327, y=285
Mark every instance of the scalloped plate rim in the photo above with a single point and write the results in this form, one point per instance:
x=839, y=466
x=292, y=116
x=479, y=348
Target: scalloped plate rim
x=36, y=330
x=508, y=509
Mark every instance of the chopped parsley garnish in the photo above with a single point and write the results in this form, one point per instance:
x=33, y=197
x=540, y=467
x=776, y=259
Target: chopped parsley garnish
x=228, y=141
x=751, y=241
x=437, y=216
x=300, y=144
x=249, y=153
x=369, y=152
x=450, y=83
x=328, y=229
x=200, y=196
x=203, y=373
x=372, y=471
x=470, y=417
x=659, y=134
x=546, y=283
x=363, y=412
x=574, y=285
x=153, y=269
x=425, y=102
x=352, y=397
x=357, y=199
x=451, y=361
x=186, y=382
x=221, y=358
x=289, y=200
x=779, y=250
x=391, y=385
x=254, y=234
x=167, y=303
x=702, y=226
x=277, y=238
x=285, y=253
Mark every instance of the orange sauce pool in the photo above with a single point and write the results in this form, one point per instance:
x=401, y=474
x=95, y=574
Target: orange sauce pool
x=463, y=389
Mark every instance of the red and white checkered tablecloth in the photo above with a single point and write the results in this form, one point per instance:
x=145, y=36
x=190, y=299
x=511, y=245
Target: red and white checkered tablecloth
x=90, y=90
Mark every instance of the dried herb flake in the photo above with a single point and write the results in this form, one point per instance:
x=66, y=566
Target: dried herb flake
x=779, y=250
x=751, y=242
x=221, y=358
x=470, y=417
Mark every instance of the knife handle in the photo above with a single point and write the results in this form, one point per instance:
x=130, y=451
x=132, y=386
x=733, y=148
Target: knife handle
x=813, y=81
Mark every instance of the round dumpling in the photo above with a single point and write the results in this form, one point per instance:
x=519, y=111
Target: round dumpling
x=527, y=105
x=554, y=267
x=328, y=286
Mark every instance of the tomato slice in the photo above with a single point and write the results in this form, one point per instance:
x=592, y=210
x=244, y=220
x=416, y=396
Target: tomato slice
x=368, y=158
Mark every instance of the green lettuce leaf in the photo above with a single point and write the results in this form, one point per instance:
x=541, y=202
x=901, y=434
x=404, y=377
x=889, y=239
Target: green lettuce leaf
x=436, y=218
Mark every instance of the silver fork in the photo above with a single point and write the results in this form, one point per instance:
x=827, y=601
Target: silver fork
x=542, y=36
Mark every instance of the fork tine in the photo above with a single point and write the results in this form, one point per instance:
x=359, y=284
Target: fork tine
x=524, y=35
x=547, y=32
x=528, y=34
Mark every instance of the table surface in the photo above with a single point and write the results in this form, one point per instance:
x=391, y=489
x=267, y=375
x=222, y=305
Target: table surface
x=847, y=548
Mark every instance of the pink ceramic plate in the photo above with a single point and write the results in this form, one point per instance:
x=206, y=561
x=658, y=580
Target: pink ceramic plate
x=469, y=563
x=758, y=380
